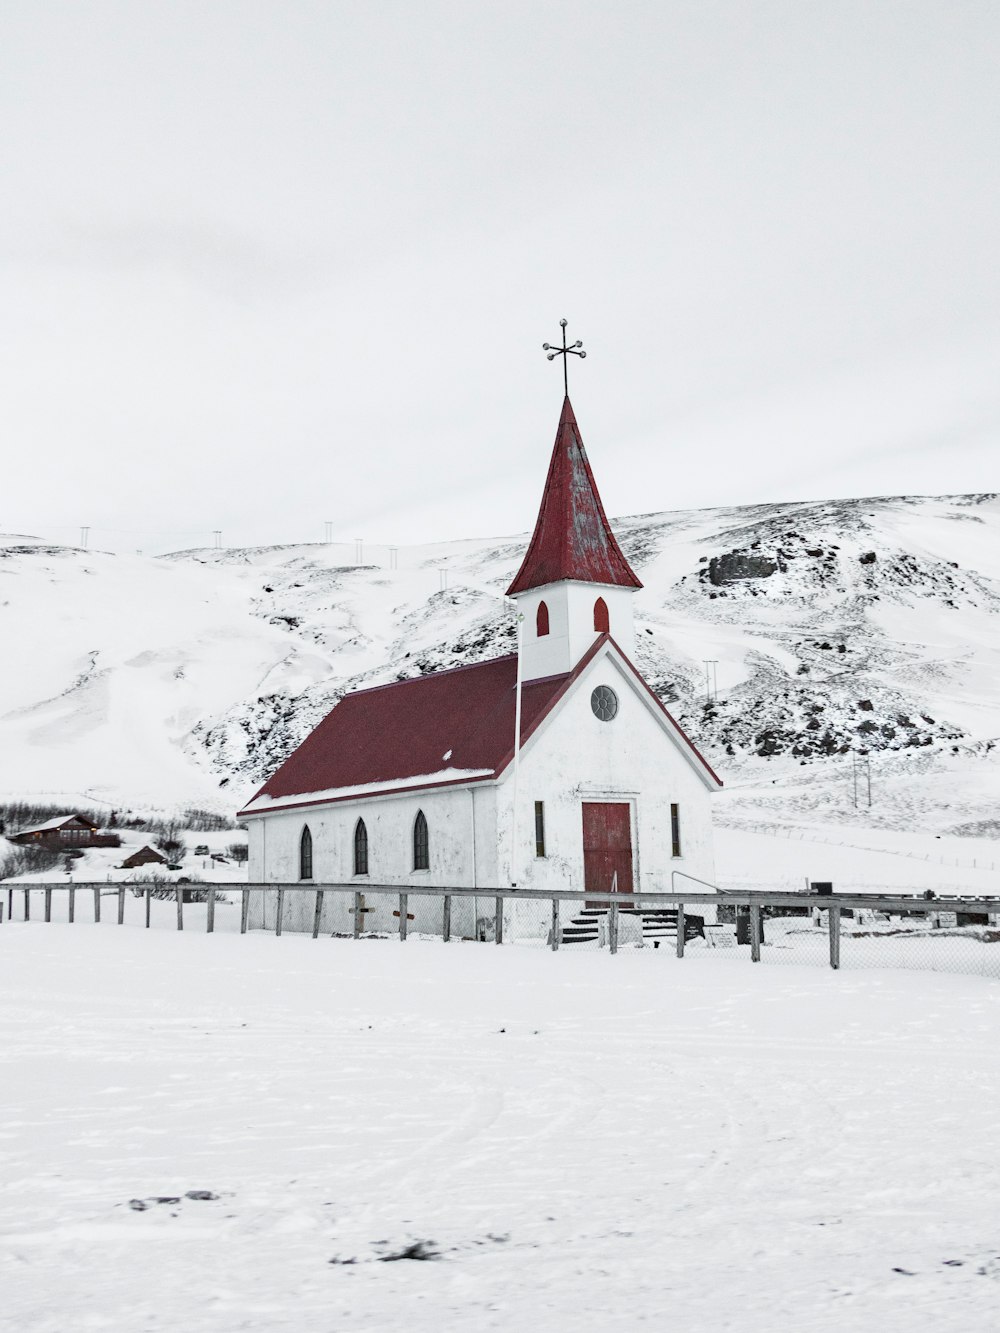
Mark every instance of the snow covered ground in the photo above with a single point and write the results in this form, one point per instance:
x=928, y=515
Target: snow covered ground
x=855, y=860
x=571, y=1141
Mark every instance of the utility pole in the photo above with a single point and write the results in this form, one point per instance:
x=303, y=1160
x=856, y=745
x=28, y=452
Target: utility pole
x=393, y=557
x=862, y=766
x=711, y=679
x=328, y=533
x=84, y=537
x=358, y=550
x=217, y=533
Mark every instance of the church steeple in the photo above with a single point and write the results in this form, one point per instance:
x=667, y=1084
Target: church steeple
x=572, y=537
x=574, y=581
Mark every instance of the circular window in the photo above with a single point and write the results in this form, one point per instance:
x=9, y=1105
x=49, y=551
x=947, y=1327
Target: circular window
x=604, y=702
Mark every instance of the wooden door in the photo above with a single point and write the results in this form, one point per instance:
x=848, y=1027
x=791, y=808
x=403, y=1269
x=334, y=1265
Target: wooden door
x=607, y=846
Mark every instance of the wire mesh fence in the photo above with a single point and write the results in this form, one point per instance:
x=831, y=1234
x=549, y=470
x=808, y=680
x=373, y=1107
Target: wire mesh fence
x=876, y=931
x=936, y=941
x=799, y=938
x=884, y=934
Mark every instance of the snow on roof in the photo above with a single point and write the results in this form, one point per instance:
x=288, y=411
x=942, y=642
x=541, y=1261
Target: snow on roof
x=145, y=851
x=443, y=777
x=59, y=822
x=572, y=537
x=448, y=728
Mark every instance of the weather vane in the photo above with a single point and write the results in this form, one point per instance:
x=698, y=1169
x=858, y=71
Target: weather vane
x=565, y=352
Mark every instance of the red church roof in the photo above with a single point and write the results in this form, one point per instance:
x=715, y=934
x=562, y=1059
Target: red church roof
x=572, y=537
x=445, y=729
x=449, y=727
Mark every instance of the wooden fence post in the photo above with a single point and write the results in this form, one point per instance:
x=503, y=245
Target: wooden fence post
x=48, y=904
x=613, y=928
x=149, y=903
x=498, y=921
x=245, y=912
x=555, y=924
x=210, y=914
x=681, y=926
x=358, y=918
x=317, y=913
x=446, y=920
x=834, y=927
x=402, y=916
x=121, y=904
x=72, y=903
x=755, y=932
x=179, y=893
x=97, y=906
x=10, y=904
x=280, y=912
x=27, y=904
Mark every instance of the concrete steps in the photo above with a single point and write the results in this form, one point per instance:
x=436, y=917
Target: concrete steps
x=657, y=923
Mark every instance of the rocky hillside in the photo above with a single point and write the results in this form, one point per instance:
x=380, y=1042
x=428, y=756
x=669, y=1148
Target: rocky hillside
x=864, y=626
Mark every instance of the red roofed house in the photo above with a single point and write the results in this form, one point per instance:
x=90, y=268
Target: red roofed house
x=414, y=783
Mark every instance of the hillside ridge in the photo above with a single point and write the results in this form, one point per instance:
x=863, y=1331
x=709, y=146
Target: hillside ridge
x=866, y=627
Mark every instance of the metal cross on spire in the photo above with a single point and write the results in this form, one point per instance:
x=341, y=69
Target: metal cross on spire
x=565, y=352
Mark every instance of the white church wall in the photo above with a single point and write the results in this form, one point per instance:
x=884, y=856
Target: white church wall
x=462, y=844
x=571, y=624
x=576, y=757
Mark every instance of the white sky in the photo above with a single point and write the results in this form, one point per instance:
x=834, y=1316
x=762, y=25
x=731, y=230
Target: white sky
x=269, y=265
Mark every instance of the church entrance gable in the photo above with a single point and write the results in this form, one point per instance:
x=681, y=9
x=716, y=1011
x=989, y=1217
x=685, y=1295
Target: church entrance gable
x=607, y=846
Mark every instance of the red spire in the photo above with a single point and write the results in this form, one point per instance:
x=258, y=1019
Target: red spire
x=572, y=537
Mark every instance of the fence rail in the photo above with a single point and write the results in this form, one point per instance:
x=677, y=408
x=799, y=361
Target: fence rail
x=907, y=930
x=718, y=897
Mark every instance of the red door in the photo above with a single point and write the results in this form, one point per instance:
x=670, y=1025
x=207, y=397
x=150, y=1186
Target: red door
x=607, y=846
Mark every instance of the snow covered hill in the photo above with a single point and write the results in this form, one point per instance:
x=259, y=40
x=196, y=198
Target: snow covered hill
x=845, y=626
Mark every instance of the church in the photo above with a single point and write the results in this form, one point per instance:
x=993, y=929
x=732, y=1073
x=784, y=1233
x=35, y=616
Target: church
x=556, y=767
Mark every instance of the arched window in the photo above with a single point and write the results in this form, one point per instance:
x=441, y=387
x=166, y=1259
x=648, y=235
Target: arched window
x=421, y=843
x=360, y=848
x=306, y=854
x=601, y=622
x=542, y=620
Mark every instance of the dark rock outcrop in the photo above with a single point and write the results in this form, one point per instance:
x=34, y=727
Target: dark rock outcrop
x=733, y=566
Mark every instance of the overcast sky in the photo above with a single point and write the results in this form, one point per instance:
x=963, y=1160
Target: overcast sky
x=271, y=265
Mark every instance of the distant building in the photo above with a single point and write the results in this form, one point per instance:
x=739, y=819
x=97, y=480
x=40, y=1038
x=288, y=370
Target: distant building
x=65, y=831
x=413, y=783
x=143, y=857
